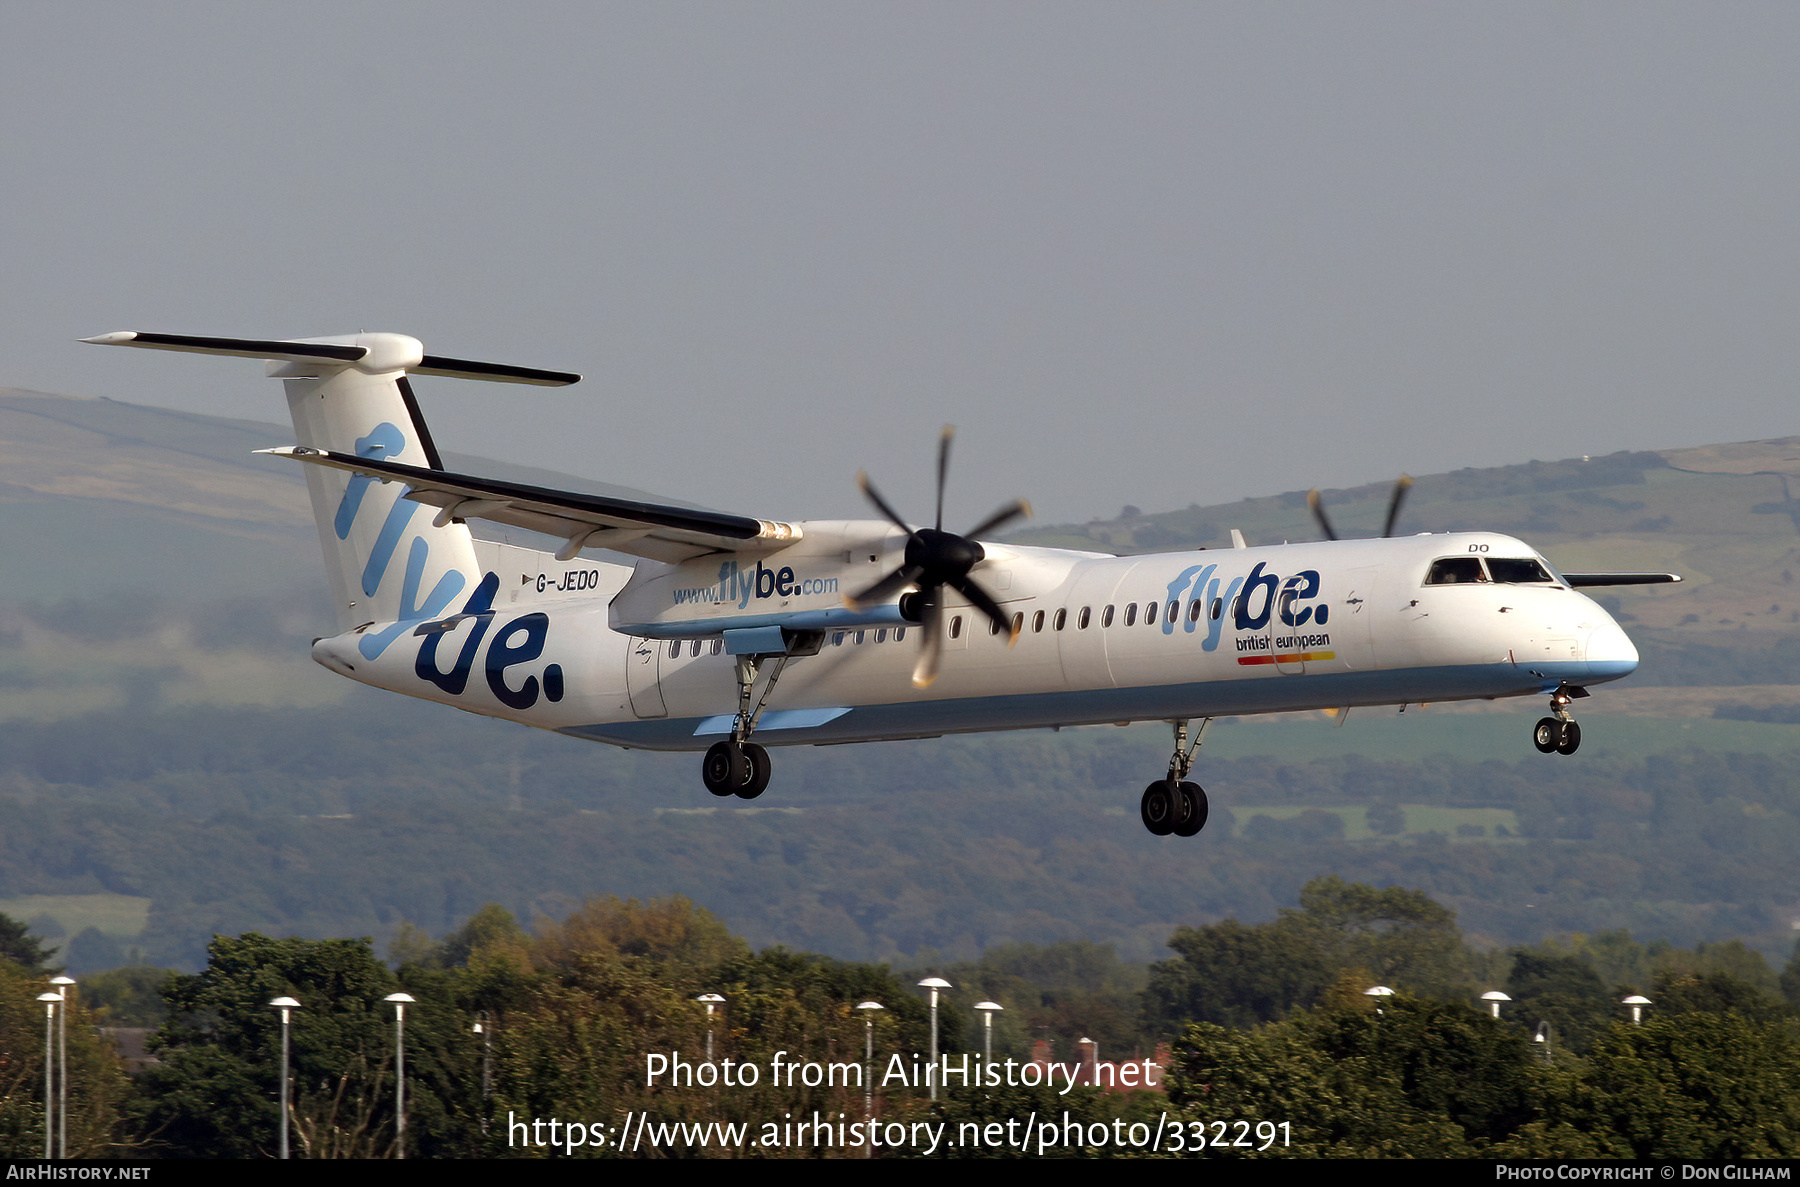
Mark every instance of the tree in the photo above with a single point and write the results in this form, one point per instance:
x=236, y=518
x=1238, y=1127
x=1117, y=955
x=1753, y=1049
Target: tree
x=97, y=1081
x=1238, y=975
x=214, y=1093
x=19, y=946
x=1414, y=1078
x=1701, y=1086
x=1561, y=990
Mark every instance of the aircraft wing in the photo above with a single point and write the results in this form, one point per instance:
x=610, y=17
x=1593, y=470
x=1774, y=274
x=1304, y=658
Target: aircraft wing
x=1580, y=580
x=662, y=533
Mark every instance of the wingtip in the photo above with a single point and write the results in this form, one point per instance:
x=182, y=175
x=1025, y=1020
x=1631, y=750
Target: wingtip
x=116, y=338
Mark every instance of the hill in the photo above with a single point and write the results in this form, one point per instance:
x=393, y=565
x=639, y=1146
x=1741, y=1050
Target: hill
x=154, y=789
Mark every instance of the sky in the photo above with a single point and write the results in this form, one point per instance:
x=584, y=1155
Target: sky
x=1142, y=253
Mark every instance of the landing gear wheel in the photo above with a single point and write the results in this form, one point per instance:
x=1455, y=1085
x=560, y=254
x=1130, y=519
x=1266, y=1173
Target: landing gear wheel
x=1570, y=741
x=1158, y=808
x=1547, y=734
x=759, y=772
x=726, y=768
x=1193, y=810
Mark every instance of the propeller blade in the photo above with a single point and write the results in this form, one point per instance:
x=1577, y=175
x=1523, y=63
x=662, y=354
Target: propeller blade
x=1006, y=514
x=886, y=588
x=931, y=627
x=944, y=439
x=1318, y=509
x=874, y=496
x=1400, y=489
x=979, y=598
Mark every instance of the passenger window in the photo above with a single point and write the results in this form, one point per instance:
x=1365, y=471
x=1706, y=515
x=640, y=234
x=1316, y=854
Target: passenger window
x=1149, y=613
x=956, y=626
x=837, y=640
x=1037, y=622
x=1131, y=614
x=694, y=650
x=1174, y=611
x=881, y=635
x=1081, y=620
x=1194, y=610
x=899, y=633
x=1456, y=570
x=1060, y=620
x=1106, y=617
x=718, y=646
x=1018, y=623
x=1218, y=608
x=675, y=649
x=859, y=637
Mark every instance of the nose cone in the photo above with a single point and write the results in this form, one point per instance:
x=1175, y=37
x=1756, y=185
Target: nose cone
x=1610, y=653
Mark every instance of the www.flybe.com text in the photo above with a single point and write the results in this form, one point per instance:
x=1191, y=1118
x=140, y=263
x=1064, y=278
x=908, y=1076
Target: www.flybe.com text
x=738, y=584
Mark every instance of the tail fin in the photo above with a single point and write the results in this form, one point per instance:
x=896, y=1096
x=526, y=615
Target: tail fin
x=386, y=563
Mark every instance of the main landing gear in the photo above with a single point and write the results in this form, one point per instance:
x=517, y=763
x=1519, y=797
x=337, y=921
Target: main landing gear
x=740, y=767
x=736, y=768
x=1559, y=733
x=1174, y=805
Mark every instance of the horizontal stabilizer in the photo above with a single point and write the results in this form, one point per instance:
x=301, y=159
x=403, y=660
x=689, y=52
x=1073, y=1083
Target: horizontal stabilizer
x=380, y=352
x=657, y=531
x=1583, y=580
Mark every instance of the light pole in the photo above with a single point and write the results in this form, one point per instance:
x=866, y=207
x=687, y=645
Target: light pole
x=987, y=1028
x=400, y=1000
x=931, y=1072
x=1493, y=998
x=1637, y=1002
x=65, y=986
x=50, y=1001
x=868, y=1009
x=485, y=1029
x=287, y=1006
x=709, y=1000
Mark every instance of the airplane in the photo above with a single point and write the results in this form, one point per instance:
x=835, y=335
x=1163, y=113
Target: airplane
x=726, y=632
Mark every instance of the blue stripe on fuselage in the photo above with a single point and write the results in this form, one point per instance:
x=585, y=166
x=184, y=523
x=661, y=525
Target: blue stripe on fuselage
x=1226, y=698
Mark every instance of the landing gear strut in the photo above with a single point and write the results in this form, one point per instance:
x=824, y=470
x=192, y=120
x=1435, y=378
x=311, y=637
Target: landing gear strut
x=1559, y=733
x=1174, y=805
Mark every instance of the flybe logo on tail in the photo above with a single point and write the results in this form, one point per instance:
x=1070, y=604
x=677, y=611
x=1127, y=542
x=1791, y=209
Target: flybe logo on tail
x=738, y=584
x=520, y=641
x=386, y=440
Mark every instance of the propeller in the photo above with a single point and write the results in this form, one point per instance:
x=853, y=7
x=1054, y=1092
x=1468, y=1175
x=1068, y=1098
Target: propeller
x=935, y=559
x=1387, y=529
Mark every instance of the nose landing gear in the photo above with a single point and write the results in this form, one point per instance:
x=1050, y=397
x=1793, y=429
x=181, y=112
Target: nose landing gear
x=1559, y=733
x=1173, y=805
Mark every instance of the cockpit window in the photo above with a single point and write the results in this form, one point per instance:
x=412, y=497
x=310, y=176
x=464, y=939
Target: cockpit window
x=1456, y=570
x=1517, y=571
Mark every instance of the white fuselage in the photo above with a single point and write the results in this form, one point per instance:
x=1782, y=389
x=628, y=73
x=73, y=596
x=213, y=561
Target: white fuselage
x=639, y=656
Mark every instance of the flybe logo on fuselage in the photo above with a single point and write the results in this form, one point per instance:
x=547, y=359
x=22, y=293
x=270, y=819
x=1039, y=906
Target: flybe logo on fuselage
x=738, y=585
x=1251, y=602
